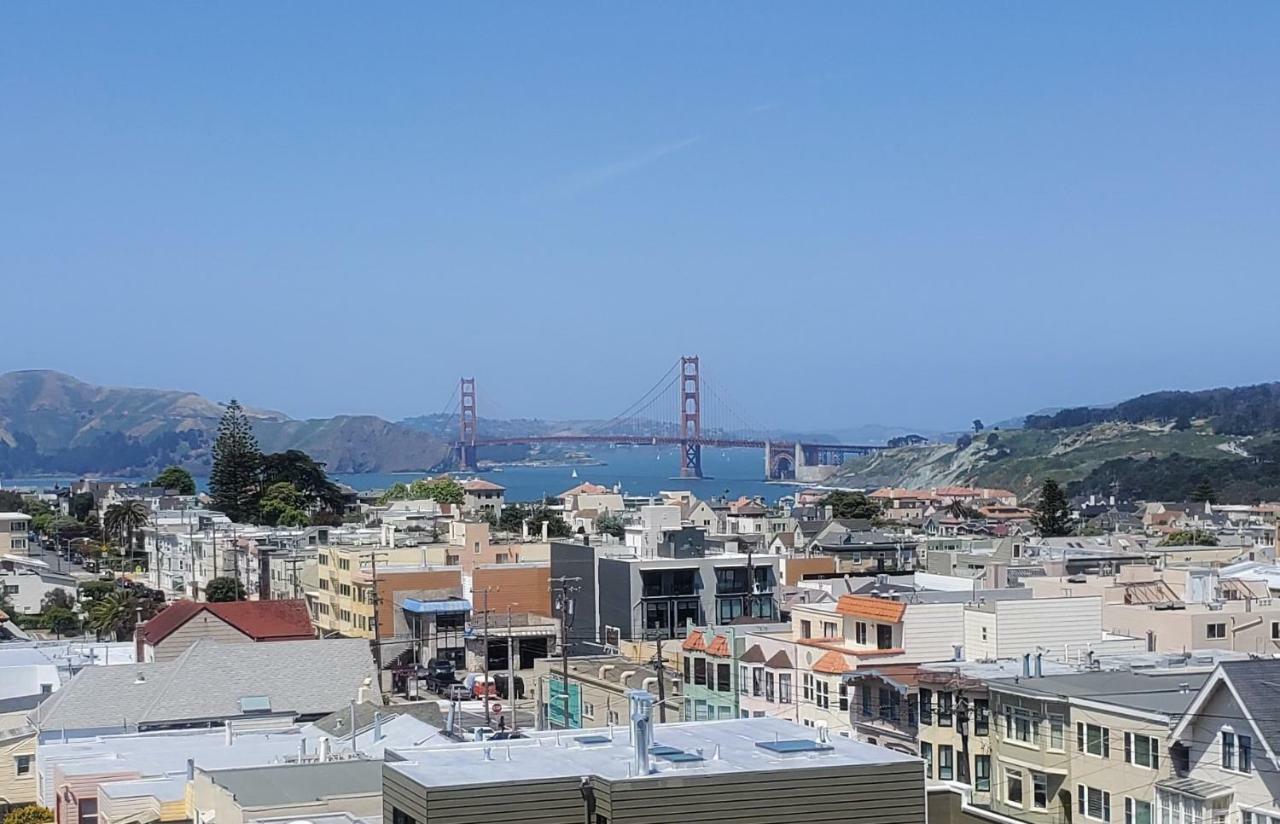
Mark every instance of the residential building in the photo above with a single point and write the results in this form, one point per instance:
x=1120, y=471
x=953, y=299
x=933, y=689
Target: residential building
x=14, y=529
x=598, y=688
x=26, y=582
x=481, y=497
x=343, y=602
x=296, y=791
x=1090, y=746
x=708, y=657
x=210, y=684
x=592, y=498
x=1227, y=746
x=734, y=770
x=903, y=505
x=182, y=623
x=643, y=535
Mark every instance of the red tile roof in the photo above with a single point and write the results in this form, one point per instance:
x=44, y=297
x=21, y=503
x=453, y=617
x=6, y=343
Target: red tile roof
x=875, y=609
x=719, y=646
x=694, y=642
x=481, y=485
x=260, y=620
x=833, y=663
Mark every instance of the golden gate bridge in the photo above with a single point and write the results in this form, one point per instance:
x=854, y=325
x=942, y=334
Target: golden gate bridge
x=683, y=409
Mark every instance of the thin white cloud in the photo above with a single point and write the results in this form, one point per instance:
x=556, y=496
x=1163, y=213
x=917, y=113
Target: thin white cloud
x=762, y=108
x=589, y=179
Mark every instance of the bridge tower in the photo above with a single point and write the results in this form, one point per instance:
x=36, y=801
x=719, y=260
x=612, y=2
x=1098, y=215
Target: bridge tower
x=690, y=419
x=467, y=424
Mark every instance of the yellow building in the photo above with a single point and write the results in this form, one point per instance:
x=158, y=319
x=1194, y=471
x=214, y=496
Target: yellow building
x=343, y=601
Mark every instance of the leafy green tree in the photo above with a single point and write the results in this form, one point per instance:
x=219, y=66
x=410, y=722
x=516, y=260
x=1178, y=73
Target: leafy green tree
x=81, y=505
x=283, y=505
x=94, y=591
x=446, y=491
x=557, y=527
x=1203, y=493
x=41, y=514
x=237, y=467
x=116, y=615
x=325, y=518
x=61, y=621
x=396, y=492
x=224, y=588
x=11, y=501
x=609, y=524
x=122, y=520
x=306, y=475
x=177, y=479
x=1053, y=513
x=1190, y=537
x=512, y=516
x=846, y=504
x=29, y=814
x=65, y=528
x=977, y=425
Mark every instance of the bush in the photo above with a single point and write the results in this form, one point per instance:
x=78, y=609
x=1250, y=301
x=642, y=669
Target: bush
x=30, y=814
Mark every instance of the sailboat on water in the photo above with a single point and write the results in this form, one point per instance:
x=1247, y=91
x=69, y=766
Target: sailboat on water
x=573, y=474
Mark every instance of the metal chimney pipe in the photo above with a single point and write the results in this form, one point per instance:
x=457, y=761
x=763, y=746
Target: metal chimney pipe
x=1026, y=665
x=324, y=748
x=302, y=750
x=377, y=726
x=191, y=769
x=641, y=729
x=230, y=732
x=1039, y=665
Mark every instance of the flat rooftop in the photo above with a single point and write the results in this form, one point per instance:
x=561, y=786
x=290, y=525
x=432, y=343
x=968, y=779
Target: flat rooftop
x=300, y=783
x=1150, y=692
x=682, y=750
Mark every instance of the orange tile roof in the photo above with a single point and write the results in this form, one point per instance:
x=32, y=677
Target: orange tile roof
x=833, y=663
x=876, y=609
x=719, y=646
x=694, y=642
x=481, y=485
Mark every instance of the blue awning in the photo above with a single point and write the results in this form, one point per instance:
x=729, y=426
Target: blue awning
x=447, y=606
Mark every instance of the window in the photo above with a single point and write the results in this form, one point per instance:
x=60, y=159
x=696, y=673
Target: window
x=1275, y=630
x=884, y=636
x=398, y=816
x=784, y=688
x=926, y=707
x=1237, y=752
x=926, y=752
x=981, y=716
x=700, y=672
x=844, y=697
x=1020, y=726
x=768, y=686
x=1142, y=750
x=724, y=678
x=1138, y=812
x=946, y=763
x=1013, y=786
x=757, y=682
x=828, y=629
x=944, y=709
x=1228, y=750
x=588, y=709
x=864, y=694
x=1039, y=791
x=1246, y=753
x=687, y=664
x=1093, y=803
x=860, y=633
x=807, y=687
x=744, y=679
x=1183, y=809
x=1057, y=733
x=982, y=773
x=822, y=695
x=806, y=629
x=22, y=763
x=1093, y=739
x=888, y=704
x=1215, y=631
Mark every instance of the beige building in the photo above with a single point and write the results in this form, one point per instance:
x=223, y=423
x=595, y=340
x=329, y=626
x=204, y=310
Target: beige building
x=17, y=761
x=14, y=527
x=482, y=497
x=296, y=791
x=343, y=601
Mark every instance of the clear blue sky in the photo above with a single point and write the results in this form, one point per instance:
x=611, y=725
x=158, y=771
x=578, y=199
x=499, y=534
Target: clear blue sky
x=903, y=213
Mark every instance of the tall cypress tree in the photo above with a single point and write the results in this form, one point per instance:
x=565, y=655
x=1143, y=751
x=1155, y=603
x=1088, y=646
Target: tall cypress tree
x=1053, y=512
x=237, y=467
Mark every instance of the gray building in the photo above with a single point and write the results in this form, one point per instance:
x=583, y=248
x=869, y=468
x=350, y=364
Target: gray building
x=626, y=597
x=760, y=769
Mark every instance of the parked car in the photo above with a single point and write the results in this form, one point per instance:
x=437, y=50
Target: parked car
x=438, y=674
x=479, y=684
x=456, y=692
x=504, y=691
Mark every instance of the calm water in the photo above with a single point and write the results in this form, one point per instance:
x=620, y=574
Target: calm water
x=641, y=471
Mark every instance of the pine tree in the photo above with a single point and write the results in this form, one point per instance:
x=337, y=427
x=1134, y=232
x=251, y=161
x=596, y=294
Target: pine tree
x=237, y=465
x=1053, y=513
x=1203, y=493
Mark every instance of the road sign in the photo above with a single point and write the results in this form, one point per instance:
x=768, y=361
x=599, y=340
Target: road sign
x=496, y=709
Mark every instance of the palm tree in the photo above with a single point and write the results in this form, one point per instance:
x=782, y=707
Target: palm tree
x=113, y=614
x=122, y=519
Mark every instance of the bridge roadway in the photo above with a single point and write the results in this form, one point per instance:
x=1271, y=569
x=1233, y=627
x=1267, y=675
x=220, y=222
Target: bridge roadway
x=650, y=440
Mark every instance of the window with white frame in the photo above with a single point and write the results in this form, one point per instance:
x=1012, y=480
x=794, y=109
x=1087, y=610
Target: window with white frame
x=1020, y=725
x=860, y=633
x=1237, y=752
x=946, y=762
x=1039, y=791
x=822, y=695
x=1056, y=733
x=1142, y=750
x=1093, y=739
x=926, y=752
x=1013, y=778
x=1176, y=807
x=1259, y=817
x=806, y=684
x=1138, y=812
x=1215, y=631
x=1093, y=803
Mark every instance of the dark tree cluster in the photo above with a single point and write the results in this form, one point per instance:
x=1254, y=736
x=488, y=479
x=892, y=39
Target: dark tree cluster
x=1179, y=477
x=1243, y=410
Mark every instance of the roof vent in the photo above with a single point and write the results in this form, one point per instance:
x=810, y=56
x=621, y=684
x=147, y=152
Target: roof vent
x=792, y=746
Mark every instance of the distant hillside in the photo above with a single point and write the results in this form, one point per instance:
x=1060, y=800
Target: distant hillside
x=53, y=423
x=1244, y=410
x=1143, y=459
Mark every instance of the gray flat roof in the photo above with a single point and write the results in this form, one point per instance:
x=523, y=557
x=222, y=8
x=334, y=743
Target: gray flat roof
x=546, y=756
x=299, y=783
x=1151, y=692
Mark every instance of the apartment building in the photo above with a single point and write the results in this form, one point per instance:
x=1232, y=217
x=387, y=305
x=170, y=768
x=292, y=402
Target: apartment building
x=1227, y=746
x=722, y=680
x=1090, y=746
x=471, y=544
x=14, y=528
x=598, y=688
x=343, y=601
x=737, y=770
x=481, y=497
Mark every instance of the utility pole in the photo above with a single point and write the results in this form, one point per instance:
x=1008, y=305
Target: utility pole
x=511, y=673
x=564, y=588
x=375, y=600
x=484, y=658
x=293, y=562
x=660, y=665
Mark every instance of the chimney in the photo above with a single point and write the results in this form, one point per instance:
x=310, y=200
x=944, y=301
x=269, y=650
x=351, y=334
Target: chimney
x=302, y=750
x=641, y=730
x=1039, y=665
x=230, y=731
x=524, y=530
x=824, y=734
x=1026, y=665
x=191, y=769
x=324, y=748
x=544, y=531
x=377, y=726
x=957, y=652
